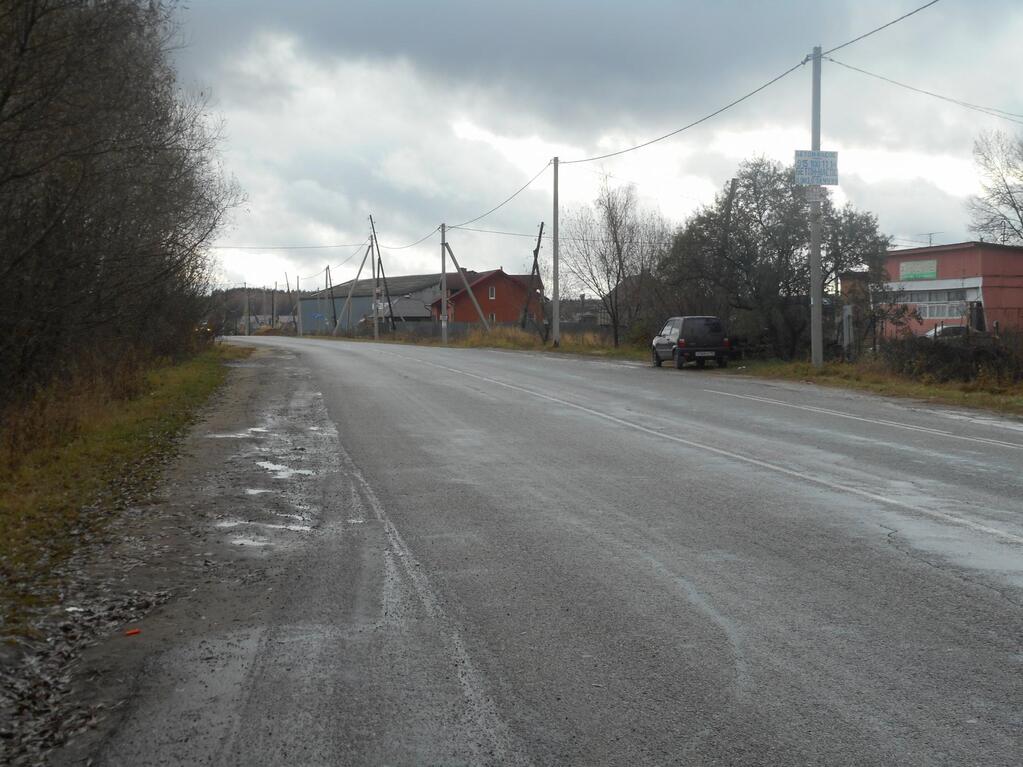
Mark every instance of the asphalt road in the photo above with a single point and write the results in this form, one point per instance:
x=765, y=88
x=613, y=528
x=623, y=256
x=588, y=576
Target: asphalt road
x=535, y=559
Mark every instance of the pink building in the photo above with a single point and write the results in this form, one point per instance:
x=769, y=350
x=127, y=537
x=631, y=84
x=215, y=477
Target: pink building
x=969, y=283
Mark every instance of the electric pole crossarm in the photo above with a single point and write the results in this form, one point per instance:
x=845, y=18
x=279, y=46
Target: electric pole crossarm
x=465, y=281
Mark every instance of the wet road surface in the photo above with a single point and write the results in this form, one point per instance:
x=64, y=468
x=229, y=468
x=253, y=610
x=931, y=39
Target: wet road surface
x=527, y=559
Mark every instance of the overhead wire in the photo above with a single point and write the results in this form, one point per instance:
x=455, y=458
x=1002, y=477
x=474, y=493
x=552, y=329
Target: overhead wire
x=411, y=244
x=878, y=29
x=991, y=111
x=497, y=207
x=693, y=124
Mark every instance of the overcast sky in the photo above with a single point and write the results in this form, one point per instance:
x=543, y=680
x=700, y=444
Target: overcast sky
x=420, y=113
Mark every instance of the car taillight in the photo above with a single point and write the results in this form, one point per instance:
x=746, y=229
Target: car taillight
x=728, y=344
x=681, y=343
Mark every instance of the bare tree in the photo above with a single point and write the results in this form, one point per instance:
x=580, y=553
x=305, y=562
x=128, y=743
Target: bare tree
x=997, y=213
x=110, y=189
x=611, y=249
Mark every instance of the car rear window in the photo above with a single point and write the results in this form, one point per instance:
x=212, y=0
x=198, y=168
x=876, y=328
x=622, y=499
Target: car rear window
x=700, y=325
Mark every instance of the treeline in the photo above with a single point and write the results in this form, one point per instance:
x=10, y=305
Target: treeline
x=110, y=190
x=743, y=258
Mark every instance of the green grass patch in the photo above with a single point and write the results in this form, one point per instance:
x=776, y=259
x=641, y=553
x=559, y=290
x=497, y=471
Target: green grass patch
x=872, y=377
x=96, y=447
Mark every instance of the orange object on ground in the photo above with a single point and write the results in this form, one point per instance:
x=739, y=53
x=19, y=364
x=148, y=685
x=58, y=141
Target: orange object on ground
x=132, y=632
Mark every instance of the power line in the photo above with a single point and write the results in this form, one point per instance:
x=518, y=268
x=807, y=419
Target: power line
x=878, y=29
x=991, y=111
x=286, y=247
x=693, y=124
x=521, y=189
x=560, y=238
x=411, y=244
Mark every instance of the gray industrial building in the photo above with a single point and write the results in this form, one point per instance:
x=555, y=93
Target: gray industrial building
x=411, y=296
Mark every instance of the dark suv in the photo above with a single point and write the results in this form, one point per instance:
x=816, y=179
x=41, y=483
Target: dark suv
x=692, y=339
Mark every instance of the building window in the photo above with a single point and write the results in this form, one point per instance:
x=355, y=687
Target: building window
x=492, y=292
x=493, y=317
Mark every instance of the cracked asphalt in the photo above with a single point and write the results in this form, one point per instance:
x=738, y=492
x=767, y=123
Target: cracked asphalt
x=445, y=556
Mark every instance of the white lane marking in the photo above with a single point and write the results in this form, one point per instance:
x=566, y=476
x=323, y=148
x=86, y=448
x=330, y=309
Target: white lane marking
x=495, y=740
x=837, y=486
x=878, y=421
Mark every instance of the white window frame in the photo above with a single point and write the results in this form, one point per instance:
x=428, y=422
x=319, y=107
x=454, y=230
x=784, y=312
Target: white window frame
x=493, y=318
x=492, y=292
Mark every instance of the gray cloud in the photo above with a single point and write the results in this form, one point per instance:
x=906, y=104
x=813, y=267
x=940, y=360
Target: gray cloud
x=568, y=73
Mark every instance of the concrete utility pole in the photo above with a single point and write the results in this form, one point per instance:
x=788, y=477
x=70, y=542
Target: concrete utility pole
x=444, y=284
x=556, y=301
x=816, y=277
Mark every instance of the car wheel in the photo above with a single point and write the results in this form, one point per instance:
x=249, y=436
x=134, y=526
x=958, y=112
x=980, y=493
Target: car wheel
x=655, y=358
x=679, y=360
x=700, y=363
x=722, y=362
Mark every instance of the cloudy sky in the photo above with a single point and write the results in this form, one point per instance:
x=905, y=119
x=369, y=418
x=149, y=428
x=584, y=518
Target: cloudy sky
x=426, y=112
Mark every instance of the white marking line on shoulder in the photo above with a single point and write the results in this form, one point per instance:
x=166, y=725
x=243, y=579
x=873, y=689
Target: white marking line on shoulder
x=836, y=486
x=878, y=421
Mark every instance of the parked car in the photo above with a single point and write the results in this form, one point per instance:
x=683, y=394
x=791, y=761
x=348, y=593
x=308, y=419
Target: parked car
x=947, y=331
x=691, y=339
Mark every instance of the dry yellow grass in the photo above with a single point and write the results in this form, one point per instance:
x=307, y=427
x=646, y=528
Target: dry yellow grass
x=76, y=452
x=871, y=376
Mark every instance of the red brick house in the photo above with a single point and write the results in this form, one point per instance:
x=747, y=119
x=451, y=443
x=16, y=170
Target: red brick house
x=968, y=283
x=501, y=296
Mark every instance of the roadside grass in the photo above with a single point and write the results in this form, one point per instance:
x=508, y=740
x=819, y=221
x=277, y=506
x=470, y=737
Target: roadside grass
x=587, y=343
x=870, y=376
x=80, y=451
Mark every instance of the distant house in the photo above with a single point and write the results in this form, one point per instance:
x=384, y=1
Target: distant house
x=501, y=297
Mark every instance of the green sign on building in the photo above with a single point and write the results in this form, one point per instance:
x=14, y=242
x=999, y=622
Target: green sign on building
x=918, y=270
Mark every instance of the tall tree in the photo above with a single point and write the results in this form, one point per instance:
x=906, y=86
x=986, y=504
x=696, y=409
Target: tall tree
x=110, y=189
x=997, y=212
x=749, y=252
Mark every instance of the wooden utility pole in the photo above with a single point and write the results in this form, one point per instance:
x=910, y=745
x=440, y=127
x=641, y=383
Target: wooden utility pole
x=534, y=276
x=376, y=281
x=330, y=292
x=465, y=281
x=298, y=304
x=348, y=301
x=245, y=287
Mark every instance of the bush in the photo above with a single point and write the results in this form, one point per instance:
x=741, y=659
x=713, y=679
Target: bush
x=971, y=358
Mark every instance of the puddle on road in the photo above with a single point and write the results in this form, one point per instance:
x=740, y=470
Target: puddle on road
x=255, y=491
x=253, y=432
x=253, y=542
x=228, y=523
x=356, y=521
x=282, y=471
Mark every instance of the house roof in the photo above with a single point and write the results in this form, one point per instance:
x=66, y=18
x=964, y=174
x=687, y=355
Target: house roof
x=477, y=278
x=396, y=286
x=926, y=249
